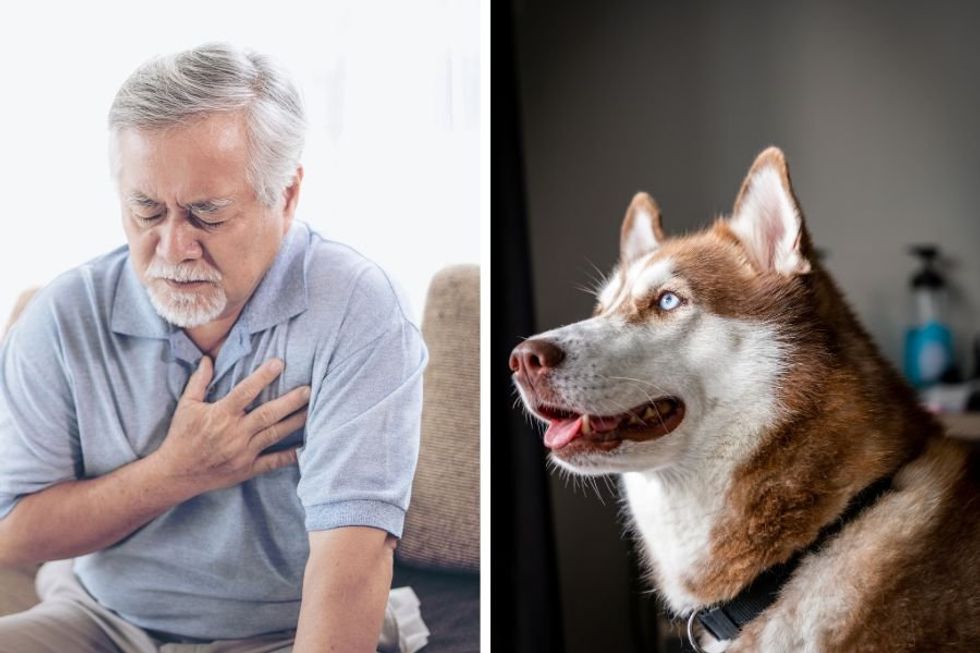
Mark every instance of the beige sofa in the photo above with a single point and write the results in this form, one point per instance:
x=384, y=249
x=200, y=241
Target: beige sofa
x=17, y=583
x=440, y=551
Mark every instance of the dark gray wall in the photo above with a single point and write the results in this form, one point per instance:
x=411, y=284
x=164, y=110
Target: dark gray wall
x=877, y=106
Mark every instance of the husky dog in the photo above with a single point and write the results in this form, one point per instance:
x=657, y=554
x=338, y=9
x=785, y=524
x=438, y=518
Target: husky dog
x=787, y=490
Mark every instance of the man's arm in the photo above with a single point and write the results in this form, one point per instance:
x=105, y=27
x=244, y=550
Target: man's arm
x=208, y=446
x=345, y=590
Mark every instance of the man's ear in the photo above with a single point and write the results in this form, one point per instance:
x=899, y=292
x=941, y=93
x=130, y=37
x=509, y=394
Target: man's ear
x=641, y=233
x=767, y=218
x=291, y=199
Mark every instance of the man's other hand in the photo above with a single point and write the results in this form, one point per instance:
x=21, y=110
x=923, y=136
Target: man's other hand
x=217, y=445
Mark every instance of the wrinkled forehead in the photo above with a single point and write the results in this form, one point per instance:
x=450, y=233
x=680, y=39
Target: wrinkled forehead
x=205, y=158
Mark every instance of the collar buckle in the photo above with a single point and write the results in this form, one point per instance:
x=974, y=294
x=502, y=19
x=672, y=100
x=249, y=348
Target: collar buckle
x=691, y=639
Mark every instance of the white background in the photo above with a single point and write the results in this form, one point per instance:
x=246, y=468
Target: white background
x=391, y=91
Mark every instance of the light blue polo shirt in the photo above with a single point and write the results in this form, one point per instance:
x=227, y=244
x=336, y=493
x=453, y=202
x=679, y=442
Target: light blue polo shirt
x=89, y=380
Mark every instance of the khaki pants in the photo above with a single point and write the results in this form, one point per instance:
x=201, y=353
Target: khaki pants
x=69, y=620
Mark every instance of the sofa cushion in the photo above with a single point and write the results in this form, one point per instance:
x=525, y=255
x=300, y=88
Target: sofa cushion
x=17, y=589
x=442, y=527
x=19, y=306
x=17, y=583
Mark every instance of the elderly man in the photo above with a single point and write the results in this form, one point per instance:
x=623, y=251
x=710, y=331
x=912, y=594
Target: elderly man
x=219, y=422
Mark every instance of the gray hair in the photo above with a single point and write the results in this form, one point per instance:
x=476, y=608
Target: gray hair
x=218, y=77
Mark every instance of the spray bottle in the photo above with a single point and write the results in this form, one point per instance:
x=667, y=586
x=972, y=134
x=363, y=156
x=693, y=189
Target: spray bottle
x=928, y=343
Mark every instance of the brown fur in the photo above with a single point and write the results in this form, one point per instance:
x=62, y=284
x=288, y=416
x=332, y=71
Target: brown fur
x=918, y=603
x=852, y=421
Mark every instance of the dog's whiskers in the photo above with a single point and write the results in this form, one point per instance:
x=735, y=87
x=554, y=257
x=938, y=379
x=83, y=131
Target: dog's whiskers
x=595, y=488
x=610, y=486
x=598, y=280
x=586, y=289
x=640, y=381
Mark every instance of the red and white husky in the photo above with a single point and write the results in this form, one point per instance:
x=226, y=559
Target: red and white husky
x=724, y=378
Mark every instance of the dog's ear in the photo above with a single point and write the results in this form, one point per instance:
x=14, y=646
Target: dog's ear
x=767, y=218
x=641, y=233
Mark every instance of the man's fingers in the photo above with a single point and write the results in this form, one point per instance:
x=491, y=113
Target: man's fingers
x=269, y=436
x=271, y=461
x=249, y=388
x=197, y=385
x=274, y=410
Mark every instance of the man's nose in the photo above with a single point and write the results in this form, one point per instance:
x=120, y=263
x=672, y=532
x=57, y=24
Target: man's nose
x=532, y=358
x=178, y=241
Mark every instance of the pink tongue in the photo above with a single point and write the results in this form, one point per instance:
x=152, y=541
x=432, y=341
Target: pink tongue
x=562, y=431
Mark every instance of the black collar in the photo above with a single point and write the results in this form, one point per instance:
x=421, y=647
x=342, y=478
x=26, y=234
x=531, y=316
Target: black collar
x=725, y=620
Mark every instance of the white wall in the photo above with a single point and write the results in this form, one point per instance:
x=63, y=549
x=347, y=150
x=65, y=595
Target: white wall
x=391, y=88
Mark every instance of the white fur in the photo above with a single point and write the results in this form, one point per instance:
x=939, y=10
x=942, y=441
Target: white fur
x=610, y=291
x=641, y=277
x=769, y=225
x=645, y=279
x=718, y=366
x=674, y=508
x=640, y=238
x=675, y=486
x=634, y=281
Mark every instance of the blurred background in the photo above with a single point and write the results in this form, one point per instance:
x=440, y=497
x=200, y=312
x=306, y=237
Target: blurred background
x=391, y=91
x=877, y=107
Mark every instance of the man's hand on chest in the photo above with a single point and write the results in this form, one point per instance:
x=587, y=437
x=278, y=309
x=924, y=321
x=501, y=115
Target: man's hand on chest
x=217, y=445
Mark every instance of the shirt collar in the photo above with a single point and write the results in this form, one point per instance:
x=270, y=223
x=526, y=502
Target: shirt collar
x=281, y=295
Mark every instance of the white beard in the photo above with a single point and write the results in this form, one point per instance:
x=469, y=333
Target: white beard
x=185, y=309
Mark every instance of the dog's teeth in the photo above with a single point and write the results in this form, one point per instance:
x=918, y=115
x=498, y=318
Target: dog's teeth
x=635, y=420
x=649, y=413
x=586, y=427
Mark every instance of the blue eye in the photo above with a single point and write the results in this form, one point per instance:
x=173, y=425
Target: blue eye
x=668, y=301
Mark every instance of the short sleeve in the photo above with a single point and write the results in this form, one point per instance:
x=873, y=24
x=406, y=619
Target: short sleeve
x=362, y=433
x=38, y=426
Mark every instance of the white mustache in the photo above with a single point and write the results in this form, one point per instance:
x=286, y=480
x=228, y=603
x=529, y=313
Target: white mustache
x=182, y=273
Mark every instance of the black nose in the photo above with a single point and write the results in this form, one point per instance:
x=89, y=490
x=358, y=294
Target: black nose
x=532, y=358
